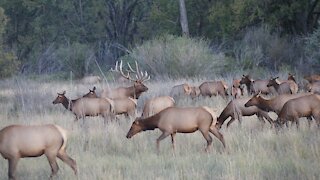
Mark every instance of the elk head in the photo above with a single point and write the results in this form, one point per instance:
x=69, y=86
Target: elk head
x=60, y=98
x=139, y=79
x=136, y=127
x=91, y=93
x=246, y=79
x=254, y=100
x=273, y=81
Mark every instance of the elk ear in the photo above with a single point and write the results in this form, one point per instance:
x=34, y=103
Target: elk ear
x=258, y=95
x=64, y=92
x=94, y=88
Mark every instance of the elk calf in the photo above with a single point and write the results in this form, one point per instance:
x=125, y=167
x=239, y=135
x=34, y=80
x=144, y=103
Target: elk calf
x=18, y=141
x=214, y=88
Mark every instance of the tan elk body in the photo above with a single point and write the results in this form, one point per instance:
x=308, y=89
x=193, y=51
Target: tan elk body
x=236, y=109
x=83, y=107
x=19, y=141
x=174, y=120
x=214, y=88
x=305, y=106
x=157, y=104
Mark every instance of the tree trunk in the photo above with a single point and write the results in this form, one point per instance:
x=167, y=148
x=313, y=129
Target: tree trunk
x=183, y=18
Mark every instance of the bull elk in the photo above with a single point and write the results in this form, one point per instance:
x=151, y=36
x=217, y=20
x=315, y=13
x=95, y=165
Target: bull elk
x=236, y=109
x=174, y=120
x=19, y=141
x=305, y=106
x=132, y=91
x=91, y=93
x=83, y=107
x=214, y=88
x=157, y=104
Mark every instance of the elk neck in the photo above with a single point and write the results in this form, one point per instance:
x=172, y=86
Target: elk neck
x=150, y=123
x=68, y=104
x=266, y=105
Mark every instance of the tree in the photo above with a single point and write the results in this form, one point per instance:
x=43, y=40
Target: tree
x=183, y=18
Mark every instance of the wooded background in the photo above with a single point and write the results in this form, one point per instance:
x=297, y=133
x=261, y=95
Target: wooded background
x=62, y=36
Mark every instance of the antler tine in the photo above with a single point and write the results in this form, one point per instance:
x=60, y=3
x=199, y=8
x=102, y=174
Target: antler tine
x=126, y=76
x=116, y=69
x=130, y=68
x=138, y=72
x=146, y=77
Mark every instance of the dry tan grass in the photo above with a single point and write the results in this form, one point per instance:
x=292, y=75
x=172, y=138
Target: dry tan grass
x=254, y=151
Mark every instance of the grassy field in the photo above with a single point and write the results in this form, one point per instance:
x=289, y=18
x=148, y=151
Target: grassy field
x=254, y=151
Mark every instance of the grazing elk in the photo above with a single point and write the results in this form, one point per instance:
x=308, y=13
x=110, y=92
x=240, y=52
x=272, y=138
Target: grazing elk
x=91, y=93
x=280, y=87
x=305, y=106
x=174, y=120
x=157, y=104
x=132, y=91
x=180, y=90
x=236, y=109
x=126, y=106
x=214, y=88
x=19, y=141
x=91, y=80
x=83, y=107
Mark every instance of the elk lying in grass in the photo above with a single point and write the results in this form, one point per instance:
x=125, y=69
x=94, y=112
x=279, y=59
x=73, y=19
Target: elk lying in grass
x=91, y=80
x=91, y=93
x=280, y=87
x=180, y=90
x=155, y=105
x=126, y=106
x=214, y=88
x=255, y=86
x=83, y=107
x=236, y=109
x=132, y=91
x=174, y=120
x=18, y=141
x=305, y=106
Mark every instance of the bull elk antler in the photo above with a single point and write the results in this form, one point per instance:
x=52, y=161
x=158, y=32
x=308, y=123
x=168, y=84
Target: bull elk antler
x=140, y=76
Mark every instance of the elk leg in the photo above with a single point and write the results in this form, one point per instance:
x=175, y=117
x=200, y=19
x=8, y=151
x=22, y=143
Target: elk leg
x=172, y=140
x=216, y=133
x=53, y=163
x=68, y=160
x=162, y=136
x=309, y=119
x=267, y=117
x=231, y=120
x=12, y=162
x=207, y=136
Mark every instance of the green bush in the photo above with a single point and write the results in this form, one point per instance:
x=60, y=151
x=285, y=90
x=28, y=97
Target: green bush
x=176, y=57
x=8, y=64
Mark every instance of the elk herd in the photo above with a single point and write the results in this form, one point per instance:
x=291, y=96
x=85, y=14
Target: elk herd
x=246, y=97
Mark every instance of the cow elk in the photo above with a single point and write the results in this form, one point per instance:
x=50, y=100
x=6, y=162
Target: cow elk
x=312, y=78
x=305, y=106
x=214, y=88
x=132, y=91
x=83, y=107
x=174, y=120
x=255, y=86
x=91, y=93
x=19, y=141
x=157, y=104
x=180, y=90
x=236, y=89
x=280, y=87
x=126, y=106
x=314, y=87
x=236, y=109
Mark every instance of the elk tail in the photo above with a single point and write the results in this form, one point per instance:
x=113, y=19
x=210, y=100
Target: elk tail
x=64, y=135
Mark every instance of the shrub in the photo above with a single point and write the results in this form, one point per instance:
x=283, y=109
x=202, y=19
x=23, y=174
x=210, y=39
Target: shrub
x=176, y=57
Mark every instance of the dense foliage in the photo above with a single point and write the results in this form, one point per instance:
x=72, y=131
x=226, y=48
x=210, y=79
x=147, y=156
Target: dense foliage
x=269, y=34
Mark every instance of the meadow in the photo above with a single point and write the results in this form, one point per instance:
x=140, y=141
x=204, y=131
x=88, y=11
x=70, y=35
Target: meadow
x=254, y=150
